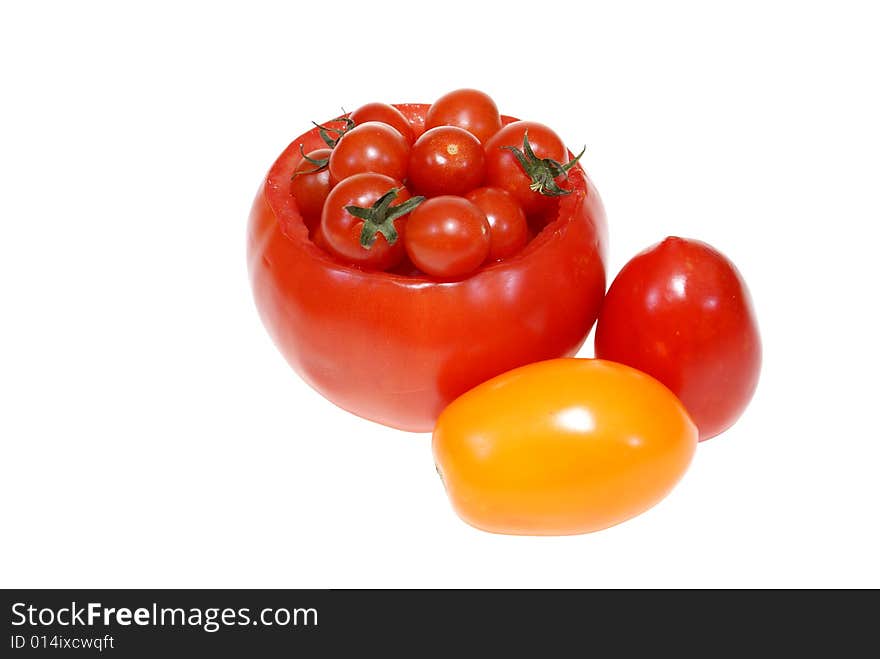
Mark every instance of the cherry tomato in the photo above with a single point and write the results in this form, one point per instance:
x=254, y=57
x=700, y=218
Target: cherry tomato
x=397, y=349
x=386, y=114
x=680, y=311
x=316, y=235
x=370, y=147
x=309, y=187
x=446, y=161
x=504, y=170
x=470, y=109
x=358, y=228
x=508, y=228
x=561, y=447
x=447, y=237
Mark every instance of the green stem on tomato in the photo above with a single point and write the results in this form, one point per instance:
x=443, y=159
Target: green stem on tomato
x=380, y=217
x=324, y=131
x=320, y=164
x=543, y=171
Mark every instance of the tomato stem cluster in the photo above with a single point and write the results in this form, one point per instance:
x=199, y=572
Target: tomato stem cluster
x=379, y=218
x=543, y=171
x=331, y=141
x=320, y=164
x=462, y=151
x=324, y=131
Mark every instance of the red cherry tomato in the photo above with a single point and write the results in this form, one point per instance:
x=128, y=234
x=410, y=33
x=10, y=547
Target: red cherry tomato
x=386, y=114
x=504, y=170
x=446, y=161
x=370, y=147
x=470, y=109
x=344, y=232
x=680, y=311
x=310, y=188
x=508, y=228
x=447, y=237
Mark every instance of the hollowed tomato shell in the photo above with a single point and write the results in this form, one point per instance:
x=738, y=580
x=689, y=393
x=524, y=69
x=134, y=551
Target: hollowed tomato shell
x=398, y=349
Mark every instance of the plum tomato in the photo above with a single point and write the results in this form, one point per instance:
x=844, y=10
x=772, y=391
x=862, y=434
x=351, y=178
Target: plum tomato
x=470, y=109
x=310, y=184
x=386, y=114
x=370, y=147
x=446, y=160
x=530, y=161
x=447, y=237
x=508, y=228
x=561, y=447
x=363, y=219
x=681, y=312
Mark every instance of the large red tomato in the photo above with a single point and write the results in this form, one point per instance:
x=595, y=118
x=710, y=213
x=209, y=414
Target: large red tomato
x=508, y=228
x=680, y=311
x=397, y=349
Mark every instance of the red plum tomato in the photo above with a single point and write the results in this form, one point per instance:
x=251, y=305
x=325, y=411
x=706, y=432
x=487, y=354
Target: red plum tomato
x=681, y=312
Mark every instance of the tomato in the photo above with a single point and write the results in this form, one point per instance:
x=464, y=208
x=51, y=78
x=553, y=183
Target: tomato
x=561, y=447
x=386, y=114
x=310, y=185
x=681, y=312
x=447, y=237
x=470, y=109
x=397, y=349
x=370, y=147
x=446, y=160
x=508, y=228
x=316, y=235
x=362, y=220
x=505, y=170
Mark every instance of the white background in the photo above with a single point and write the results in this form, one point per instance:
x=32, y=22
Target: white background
x=151, y=433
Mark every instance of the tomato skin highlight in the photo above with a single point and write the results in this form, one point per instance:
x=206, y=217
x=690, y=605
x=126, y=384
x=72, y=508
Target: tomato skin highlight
x=562, y=447
x=681, y=312
x=370, y=147
x=470, y=109
x=446, y=160
x=386, y=114
x=447, y=237
x=508, y=227
x=505, y=172
x=398, y=349
x=342, y=231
